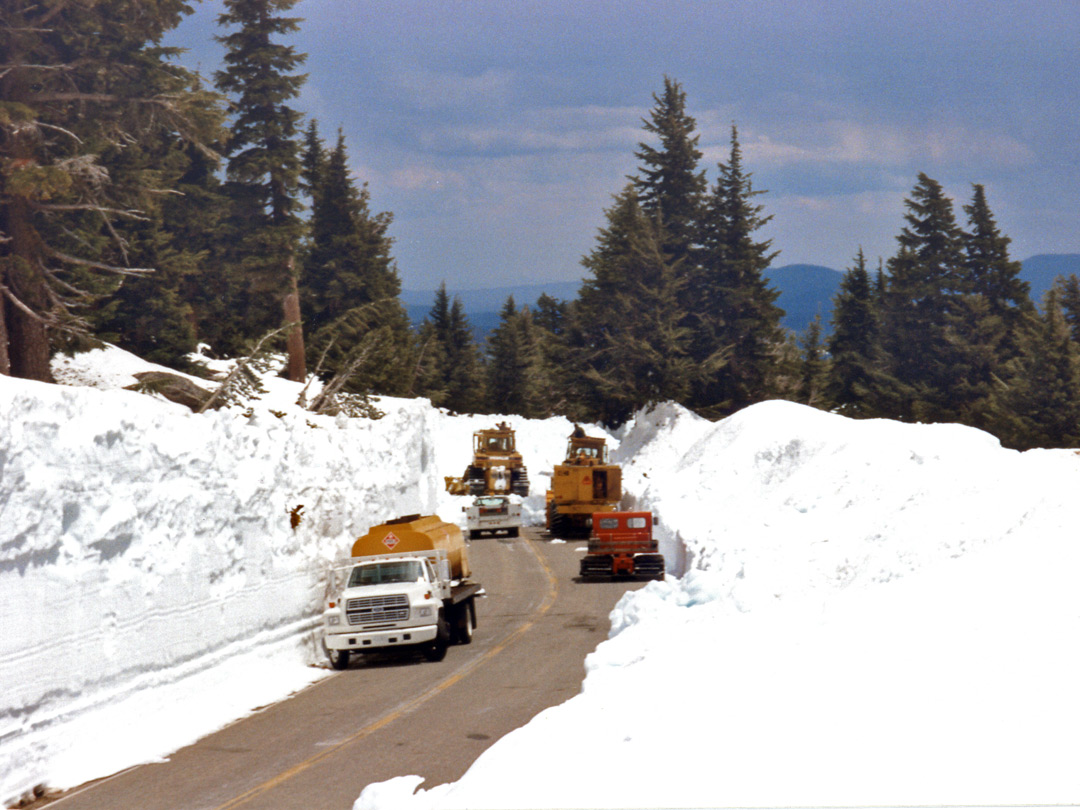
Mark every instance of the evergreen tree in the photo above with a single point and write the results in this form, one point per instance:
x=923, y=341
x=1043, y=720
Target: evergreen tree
x=351, y=286
x=312, y=160
x=159, y=316
x=855, y=382
x=736, y=321
x=264, y=163
x=508, y=389
x=430, y=377
x=554, y=392
x=1068, y=293
x=464, y=371
x=629, y=338
x=924, y=278
x=989, y=272
x=76, y=85
x=814, y=365
x=1043, y=399
x=670, y=187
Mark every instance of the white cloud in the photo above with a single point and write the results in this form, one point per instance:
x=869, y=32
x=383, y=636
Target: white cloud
x=840, y=142
x=431, y=90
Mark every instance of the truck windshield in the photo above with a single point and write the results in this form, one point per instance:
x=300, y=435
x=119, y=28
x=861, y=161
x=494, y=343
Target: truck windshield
x=377, y=573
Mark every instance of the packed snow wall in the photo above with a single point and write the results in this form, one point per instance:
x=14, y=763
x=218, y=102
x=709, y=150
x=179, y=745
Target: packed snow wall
x=141, y=543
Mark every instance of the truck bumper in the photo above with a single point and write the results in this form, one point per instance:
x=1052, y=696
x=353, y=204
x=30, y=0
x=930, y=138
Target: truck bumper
x=380, y=639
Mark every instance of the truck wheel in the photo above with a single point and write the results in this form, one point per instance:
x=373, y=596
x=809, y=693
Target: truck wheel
x=512, y=532
x=464, y=624
x=339, y=659
x=436, y=650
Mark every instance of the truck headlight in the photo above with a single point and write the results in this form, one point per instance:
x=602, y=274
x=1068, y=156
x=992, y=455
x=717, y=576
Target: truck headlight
x=333, y=619
x=424, y=612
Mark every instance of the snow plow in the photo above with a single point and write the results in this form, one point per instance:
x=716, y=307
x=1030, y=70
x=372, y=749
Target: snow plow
x=622, y=545
x=585, y=483
x=497, y=467
x=405, y=585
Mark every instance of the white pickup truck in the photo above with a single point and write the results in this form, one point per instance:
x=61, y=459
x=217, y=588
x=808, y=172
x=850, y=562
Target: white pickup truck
x=490, y=514
x=418, y=596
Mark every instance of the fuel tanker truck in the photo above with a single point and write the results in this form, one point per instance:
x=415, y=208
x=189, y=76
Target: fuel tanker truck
x=406, y=585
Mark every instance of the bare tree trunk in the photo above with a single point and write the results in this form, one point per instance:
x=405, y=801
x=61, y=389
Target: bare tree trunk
x=24, y=341
x=27, y=346
x=5, y=362
x=296, y=369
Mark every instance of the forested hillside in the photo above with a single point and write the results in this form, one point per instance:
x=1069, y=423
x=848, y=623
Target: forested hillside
x=148, y=206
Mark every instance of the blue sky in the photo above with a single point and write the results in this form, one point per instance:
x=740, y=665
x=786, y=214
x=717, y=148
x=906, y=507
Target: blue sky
x=497, y=132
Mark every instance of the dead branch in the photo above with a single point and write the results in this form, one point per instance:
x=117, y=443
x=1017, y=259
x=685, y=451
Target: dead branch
x=122, y=271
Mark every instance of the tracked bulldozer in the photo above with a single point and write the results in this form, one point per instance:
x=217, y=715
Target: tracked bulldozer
x=586, y=482
x=497, y=467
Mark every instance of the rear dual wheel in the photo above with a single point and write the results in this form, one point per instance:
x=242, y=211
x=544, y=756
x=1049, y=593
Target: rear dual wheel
x=464, y=624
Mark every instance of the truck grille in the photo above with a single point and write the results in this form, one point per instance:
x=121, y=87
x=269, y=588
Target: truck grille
x=369, y=609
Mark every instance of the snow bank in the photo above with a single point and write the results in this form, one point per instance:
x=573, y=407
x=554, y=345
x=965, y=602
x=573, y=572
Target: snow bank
x=874, y=614
x=149, y=566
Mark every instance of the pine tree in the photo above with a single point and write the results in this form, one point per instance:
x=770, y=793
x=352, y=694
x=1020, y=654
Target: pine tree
x=264, y=163
x=75, y=85
x=508, y=389
x=351, y=286
x=629, y=338
x=924, y=277
x=1043, y=399
x=736, y=321
x=988, y=271
x=464, y=372
x=1068, y=292
x=670, y=187
x=160, y=316
x=554, y=391
x=814, y=365
x=856, y=384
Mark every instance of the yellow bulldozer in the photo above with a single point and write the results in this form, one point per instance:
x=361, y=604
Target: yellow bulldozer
x=497, y=467
x=586, y=482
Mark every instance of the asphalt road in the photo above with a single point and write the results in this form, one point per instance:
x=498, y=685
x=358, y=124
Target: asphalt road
x=394, y=716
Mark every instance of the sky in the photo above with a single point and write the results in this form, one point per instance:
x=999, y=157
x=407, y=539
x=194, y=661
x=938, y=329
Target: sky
x=497, y=133
x=859, y=613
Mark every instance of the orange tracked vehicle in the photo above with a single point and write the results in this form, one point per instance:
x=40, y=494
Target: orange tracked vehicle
x=622, y=544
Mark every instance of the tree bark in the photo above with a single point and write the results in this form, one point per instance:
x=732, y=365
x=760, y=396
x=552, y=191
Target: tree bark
x=24, y=341
x=296, y=369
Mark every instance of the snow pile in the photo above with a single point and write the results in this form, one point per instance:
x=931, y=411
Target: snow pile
x=149, y=565
x=876, y=614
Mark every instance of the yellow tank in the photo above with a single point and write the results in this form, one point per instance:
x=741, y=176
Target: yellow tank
x=417, y=533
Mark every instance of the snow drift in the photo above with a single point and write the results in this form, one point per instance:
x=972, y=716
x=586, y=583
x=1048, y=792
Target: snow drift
x=149, y=565
x=875, y=614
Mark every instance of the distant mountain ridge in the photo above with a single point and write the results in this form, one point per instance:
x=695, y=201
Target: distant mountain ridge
x=805, y=290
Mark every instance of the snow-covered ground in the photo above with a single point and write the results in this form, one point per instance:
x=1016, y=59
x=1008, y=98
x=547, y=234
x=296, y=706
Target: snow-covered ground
x=148, y=563
x=873, y=614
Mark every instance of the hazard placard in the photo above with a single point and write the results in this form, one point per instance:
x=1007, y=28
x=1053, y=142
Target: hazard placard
x=390, y=540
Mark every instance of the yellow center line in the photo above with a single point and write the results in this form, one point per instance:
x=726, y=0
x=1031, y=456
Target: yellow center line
x=442, y=686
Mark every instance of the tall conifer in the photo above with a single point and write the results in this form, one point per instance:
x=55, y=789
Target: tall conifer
x=264, y=163
x=735, y=319
x=670, y=187
x=75, y=85
x=925, y=275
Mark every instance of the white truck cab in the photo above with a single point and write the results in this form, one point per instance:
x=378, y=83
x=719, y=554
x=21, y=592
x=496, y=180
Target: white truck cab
x=490, y=514
x=395, y=600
